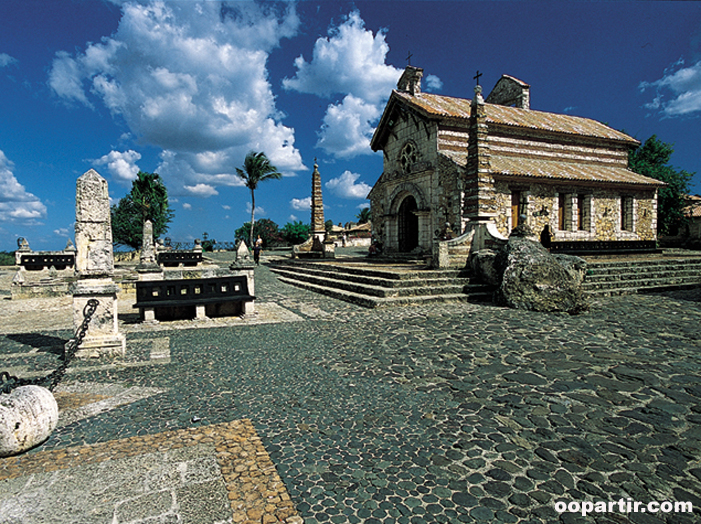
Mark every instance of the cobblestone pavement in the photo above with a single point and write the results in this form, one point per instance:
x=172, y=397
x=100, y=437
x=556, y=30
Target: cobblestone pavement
x=448, y=413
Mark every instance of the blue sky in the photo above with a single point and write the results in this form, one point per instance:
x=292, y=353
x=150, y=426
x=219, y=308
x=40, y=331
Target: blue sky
x=186, y=88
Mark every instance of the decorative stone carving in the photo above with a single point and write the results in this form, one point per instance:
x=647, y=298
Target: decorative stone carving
x=94, y=267
x=28, y=415
x=243, y=256
x=147, y=258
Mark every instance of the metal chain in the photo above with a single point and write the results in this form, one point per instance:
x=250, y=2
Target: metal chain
x=9, y=382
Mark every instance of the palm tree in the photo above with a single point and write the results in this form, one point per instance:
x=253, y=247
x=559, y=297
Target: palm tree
x=256, y=168
x=364, y=216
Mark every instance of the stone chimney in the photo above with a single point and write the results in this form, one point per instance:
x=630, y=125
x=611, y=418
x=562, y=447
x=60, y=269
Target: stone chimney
x=410, y=81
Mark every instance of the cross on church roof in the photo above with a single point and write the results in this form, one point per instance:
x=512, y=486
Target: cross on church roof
x=408, y=58
x=477, y=77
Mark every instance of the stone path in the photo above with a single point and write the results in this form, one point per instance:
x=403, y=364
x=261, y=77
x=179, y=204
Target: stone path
x=451, y=413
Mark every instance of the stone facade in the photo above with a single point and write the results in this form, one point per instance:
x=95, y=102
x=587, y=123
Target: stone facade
x=469, y=162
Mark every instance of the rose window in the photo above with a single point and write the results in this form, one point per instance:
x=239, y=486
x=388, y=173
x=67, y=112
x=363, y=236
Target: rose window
x=408, y=157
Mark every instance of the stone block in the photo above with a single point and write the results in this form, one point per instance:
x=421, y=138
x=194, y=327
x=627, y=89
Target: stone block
x=28, y=415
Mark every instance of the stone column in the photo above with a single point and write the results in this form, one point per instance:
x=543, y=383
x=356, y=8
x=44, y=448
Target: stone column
x=318, y=228
x=94, y=266
x=148, y=268
x=480, y=195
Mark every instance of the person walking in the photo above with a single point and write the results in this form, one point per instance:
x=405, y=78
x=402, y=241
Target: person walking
x=257, y=248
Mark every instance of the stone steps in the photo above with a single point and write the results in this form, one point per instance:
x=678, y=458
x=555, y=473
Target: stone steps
x=360, y=278
x=374, y=287
x=631, y=276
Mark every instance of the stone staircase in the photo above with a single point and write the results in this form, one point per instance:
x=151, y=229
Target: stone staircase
x=619, y=277
x=403, y=283
x=383, y=285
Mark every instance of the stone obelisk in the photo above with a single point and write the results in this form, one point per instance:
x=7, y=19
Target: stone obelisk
x=318, y=228
x=94, y=266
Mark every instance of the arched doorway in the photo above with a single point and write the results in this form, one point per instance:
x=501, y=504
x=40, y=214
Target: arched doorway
x=408, y=225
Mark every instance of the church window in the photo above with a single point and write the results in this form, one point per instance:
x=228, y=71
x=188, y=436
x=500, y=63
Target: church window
x=408, y=157
x=583, y=212
x=562, y=221
x=626, y=213
x=515, y=208
x=580, y=212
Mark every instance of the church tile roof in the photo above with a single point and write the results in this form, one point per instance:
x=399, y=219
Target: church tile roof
x=459, y=108
x=567, y=171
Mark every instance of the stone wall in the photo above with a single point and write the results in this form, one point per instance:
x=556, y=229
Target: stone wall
x=602, y=217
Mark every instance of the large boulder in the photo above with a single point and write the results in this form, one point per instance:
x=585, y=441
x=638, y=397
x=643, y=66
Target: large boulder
x=534, y=280
x=28, y=415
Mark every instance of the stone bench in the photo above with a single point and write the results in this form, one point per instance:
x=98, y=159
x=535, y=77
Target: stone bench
x=179, y=258
x=192, y=297
x=38, y=261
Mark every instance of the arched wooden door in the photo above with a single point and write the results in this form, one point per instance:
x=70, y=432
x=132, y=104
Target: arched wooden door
x=408, y=225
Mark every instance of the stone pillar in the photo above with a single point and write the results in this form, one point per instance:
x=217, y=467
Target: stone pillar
x=480, y=195
x=94, y=266
x=24, y=249
x=318, y=228
x=148, y=267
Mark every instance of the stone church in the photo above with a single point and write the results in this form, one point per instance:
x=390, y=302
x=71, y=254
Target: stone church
x=495, y=162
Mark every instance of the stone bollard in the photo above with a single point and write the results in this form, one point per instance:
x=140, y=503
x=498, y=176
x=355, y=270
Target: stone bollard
x=28, y=415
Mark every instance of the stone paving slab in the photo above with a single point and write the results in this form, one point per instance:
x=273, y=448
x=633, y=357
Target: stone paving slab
x=218, y=474
x=450, y=413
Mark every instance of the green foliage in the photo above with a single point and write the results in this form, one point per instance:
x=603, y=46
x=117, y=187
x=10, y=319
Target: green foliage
x=364, y=216
x=267, y=229
x=651, y=159
x=7, y=258
x=148, y=199
x=207, y=243
x=256, y=168
x=328, y=226
x=296, y=232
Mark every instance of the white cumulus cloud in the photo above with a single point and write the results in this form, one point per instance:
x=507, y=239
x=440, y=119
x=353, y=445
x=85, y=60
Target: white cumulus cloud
x=349, y=62
x=121, y=165
x=347, y=129
x=301, y=204
x=684, y=86
x=433, y=83
x=201, y=190
x=190, y=78
x=187, y=206
x=6, y=60
x=259, y=210
x=17, y=205
x=345, y=186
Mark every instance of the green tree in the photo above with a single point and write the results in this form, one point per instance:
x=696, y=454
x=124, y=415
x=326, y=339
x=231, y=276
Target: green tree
x=148, y=199
x=256, y=169
x=295, y=232
x=652, y=159
x=328, y=226
x=364, y=216
x=267, y=229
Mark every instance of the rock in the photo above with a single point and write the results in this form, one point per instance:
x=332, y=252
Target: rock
x=576, y=267
x=533, y=279
x=483, y=265
x=28, y=415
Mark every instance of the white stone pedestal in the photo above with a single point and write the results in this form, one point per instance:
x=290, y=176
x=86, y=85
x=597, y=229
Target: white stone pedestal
x=103, y=337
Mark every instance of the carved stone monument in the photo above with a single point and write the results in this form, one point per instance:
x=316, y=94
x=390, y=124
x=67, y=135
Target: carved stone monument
x=147, y=259
x=94, y=266
x=318, y=245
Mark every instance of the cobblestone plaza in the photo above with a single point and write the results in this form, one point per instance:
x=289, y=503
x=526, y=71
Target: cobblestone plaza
x=430, y=414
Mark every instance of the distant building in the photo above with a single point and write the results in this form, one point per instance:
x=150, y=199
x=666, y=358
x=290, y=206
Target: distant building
x=495, y=161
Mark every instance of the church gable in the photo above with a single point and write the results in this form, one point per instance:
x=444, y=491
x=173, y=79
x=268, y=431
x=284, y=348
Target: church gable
x=510, y=91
